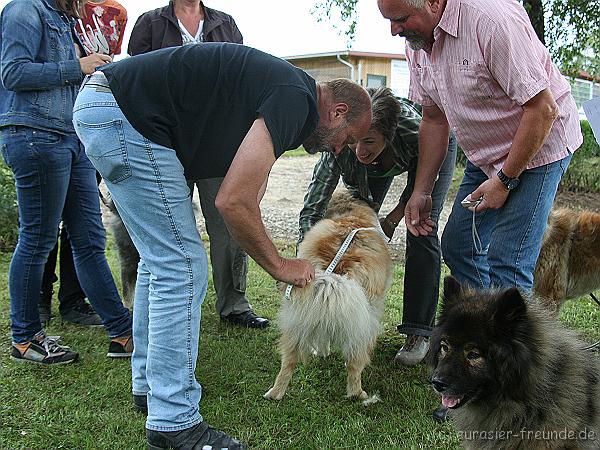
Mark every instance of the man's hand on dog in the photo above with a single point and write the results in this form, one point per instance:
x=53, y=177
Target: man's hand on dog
x=298, y=272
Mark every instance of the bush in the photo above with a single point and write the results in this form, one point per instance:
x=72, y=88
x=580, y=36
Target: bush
x=584, y=171
x=9, y=216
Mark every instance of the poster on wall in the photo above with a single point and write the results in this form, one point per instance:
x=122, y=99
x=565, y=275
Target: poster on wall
x=592, y=111
x=400, y=77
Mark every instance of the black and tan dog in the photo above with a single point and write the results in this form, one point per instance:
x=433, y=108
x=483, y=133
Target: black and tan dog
x=512, y=376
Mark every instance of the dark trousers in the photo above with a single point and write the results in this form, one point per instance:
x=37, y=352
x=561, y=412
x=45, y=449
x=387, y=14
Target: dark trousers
x=229, y=262
x=69, y=291
x=423, y=254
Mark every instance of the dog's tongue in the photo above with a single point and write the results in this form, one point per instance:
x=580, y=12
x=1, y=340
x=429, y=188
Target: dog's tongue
x=449, y=401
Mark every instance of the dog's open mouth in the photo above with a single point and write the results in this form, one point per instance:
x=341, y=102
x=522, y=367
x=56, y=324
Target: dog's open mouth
x=452, y=401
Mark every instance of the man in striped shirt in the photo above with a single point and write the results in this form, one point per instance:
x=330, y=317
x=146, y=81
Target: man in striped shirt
x=478, y=69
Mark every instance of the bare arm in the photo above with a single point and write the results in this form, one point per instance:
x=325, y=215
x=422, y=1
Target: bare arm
x=238, y=202
x=539, y=114
x=392, y=219
x=433, y=145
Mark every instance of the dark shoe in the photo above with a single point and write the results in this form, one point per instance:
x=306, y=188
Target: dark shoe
x=120, y=347
x=441, y=414
x=44, y=350
x=246, y=319
x=81, y=314
x=140, y=403
x=44, y=311
x=198, y=437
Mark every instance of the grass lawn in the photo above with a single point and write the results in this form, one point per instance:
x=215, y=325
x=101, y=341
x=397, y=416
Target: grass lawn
x=87, y=405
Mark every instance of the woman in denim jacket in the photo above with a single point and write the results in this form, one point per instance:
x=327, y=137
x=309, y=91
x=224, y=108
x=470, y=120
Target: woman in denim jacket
x=41, y=69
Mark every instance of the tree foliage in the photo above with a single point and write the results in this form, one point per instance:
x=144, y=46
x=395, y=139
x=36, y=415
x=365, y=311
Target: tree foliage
x=344, y=14
x=569, y=28
x=573, y=34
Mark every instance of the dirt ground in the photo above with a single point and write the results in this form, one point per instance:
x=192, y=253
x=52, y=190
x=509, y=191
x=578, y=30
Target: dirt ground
x=284, y=198
x=289, y=181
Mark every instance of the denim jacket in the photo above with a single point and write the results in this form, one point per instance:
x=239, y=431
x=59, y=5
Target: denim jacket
x=39, y=67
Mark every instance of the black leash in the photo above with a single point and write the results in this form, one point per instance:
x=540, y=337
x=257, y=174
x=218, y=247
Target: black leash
x=597, y=344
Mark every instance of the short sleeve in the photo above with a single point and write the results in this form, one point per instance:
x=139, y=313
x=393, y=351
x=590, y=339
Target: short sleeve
x=286, y=111
x=416, y=92
x=507, y=51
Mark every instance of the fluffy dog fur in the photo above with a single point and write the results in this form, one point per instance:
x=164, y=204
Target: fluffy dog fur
x=569, y=261
x=508, y=371
x=344, y=308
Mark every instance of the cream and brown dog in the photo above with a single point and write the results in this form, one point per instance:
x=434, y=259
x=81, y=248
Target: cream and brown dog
x=342, y=309
x=569, y=261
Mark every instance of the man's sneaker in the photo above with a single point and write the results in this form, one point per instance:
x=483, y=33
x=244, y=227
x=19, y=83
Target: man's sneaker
x=120, y=347
x=413, y=351
x=198, y=437
x=44, y=311
x=43, y=350
x=82, y=314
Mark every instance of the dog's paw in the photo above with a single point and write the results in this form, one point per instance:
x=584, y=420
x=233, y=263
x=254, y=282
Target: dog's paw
x=362, y=395
x=274, y=394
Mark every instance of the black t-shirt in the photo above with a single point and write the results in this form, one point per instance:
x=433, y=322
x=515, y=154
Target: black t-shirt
x=201, y=100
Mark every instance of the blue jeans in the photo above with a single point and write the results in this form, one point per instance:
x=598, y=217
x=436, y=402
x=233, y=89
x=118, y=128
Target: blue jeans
x=53, y=175
x=147, y=184
x=423, y=254
x=511, y=236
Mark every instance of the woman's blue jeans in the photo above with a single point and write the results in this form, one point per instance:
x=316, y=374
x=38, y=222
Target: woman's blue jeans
x=52, y=175
x=147, y=183
x=511, y=236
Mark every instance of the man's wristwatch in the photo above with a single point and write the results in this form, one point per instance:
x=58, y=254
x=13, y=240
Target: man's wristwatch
x=507, y=181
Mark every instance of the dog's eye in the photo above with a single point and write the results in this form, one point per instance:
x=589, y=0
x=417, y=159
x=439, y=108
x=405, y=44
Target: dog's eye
x=473, y=354
x=444, y=348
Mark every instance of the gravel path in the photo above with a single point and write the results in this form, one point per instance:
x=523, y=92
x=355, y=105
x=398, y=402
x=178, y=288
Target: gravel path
x=284, y=198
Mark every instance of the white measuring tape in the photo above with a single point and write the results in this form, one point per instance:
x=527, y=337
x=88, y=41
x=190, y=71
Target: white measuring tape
x=338, y=256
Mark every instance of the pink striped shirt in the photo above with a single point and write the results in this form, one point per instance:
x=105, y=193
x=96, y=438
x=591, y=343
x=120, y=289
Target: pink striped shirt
x=485, y=63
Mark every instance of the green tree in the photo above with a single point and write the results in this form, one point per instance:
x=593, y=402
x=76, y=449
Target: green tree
x=569, y=28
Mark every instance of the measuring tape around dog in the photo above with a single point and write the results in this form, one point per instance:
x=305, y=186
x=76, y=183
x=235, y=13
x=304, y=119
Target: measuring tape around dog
x=338, y=256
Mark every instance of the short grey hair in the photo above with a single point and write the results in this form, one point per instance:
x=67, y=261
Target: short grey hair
x=419, y=4
x=345, y=91
x=385, y=109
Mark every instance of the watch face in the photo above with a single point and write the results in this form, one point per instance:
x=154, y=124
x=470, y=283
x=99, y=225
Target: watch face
x=513, y=183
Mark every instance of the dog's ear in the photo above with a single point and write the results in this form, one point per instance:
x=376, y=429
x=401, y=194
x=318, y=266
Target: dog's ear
x=510, y=307
x=452, y=292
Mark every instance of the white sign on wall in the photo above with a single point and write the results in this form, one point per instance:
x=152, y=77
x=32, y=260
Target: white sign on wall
x=592, y=111
x=400, y=78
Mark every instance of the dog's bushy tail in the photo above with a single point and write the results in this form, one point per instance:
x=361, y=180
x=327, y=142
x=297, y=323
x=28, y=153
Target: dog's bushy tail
x=332, y=310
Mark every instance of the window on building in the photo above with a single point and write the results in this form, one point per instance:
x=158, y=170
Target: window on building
x=581, y=90
x=376, y=81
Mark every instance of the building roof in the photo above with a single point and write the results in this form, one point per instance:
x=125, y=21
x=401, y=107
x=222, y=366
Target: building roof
x=347, y=53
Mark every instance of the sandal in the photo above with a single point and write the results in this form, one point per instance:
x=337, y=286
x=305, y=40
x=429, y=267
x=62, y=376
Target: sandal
x=246, y=319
